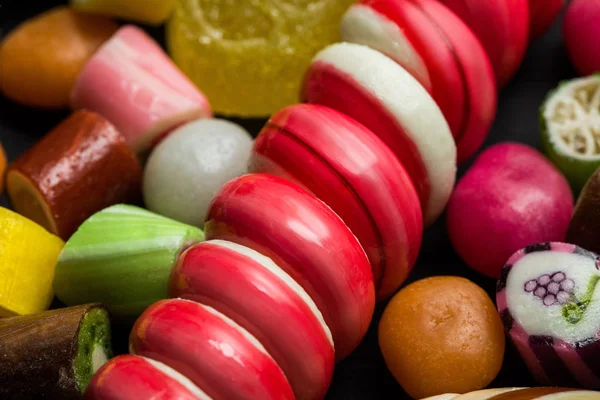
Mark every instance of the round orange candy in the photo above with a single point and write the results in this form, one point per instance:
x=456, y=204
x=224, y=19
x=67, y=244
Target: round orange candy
x=41, y=58
x=442, y=335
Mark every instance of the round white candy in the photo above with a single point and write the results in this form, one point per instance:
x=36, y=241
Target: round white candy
x=187, y=169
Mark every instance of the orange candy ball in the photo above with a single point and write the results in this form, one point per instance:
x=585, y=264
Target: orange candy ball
x=442, y=335
x=41, y=58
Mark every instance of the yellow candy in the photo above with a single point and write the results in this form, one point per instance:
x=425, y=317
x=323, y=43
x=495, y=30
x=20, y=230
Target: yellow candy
x=152, y=12
x=28, y=255
x=249, y=56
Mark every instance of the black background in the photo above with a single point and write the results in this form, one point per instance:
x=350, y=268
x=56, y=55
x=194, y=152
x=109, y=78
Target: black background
x=363, y=375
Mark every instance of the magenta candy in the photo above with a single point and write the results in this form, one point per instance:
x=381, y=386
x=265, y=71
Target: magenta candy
x=582, y=35
x=511, y=197
x=550, y=307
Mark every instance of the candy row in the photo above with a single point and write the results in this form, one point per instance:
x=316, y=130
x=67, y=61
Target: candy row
x=539, y=393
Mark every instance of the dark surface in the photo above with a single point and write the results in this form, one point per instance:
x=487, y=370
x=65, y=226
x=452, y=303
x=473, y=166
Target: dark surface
x=363, y=375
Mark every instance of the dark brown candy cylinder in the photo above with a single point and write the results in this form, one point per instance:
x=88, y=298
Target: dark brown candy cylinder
x=585, y=223
x=54, y=354
x=82, y=166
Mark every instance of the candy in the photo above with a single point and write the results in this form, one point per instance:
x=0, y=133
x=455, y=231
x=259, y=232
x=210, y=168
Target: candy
x=555, y=329
x=258, y=295
x=152, y=12
x=89, y=168
x=308, y=240
x=377, y=92
x=542, y=14
x=502, y=27
x=122, y=256
x=442, y=334
x=149, y=96
x=510, y=198
x=185, y=171
x=352, y=171
x=129, y=377
x=462, y=79
x=210, y=349
x=581, y=31
x=571, y=129
x=549, y=393
x=2, y=168
x=249, y=56
x=584, y=225
x=29, y=254
x=41, y=58
x=53, y=355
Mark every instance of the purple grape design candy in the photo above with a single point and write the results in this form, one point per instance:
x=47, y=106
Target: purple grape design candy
x=550, y=307
x=551, y=288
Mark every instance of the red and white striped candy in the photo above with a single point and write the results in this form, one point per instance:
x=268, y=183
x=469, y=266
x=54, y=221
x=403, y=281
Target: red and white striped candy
x=214, y=352
x=374, y=90
x=137, y=87
x=305, y=238
x=461, y=75
x=258, y=295
x=352, y=171
x=129, y=377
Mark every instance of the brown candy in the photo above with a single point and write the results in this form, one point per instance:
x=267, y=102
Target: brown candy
x=585, y=223
x=81, y=167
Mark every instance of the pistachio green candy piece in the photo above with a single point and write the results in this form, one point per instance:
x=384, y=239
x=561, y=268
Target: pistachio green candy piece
x=570, y=127
x=122, y=257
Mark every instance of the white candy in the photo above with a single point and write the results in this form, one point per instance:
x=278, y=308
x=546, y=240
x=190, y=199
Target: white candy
x=187, y=169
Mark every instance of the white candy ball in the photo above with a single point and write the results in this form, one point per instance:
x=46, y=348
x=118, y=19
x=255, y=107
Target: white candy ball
x=187, y=169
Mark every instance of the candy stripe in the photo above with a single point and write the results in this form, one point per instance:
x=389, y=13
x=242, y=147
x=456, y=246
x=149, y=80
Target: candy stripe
x=521, y=340
x=576, y=363
x=555, y=369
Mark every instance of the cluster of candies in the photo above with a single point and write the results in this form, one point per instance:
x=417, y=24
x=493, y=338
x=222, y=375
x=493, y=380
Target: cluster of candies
x=273, y=252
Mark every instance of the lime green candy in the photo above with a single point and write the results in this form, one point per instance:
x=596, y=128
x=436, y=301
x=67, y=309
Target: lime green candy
x=570, y=126
x=122, y=257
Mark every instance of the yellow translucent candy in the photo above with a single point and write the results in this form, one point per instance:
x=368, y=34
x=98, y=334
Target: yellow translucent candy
x=152, y=12
x=249, y=56
x=28, y=255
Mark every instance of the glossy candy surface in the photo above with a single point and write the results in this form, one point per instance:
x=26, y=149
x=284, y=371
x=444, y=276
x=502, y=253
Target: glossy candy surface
x=186, y=170
x=549, y=303
x=581, y=30
x=210, y=349
x=149, y=95
x=442, y=334
x=89, y=168
x=126, y=377
x=461, y=76
x=253, y=291
x=29, y=255
x=305, y=238
x=394, y=106
x=41, y=58
x=352, y=171
x=510, y=198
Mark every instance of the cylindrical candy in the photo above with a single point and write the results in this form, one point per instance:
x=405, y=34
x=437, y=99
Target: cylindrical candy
x=82, y=166
x=539, y=393
x=41, y=58
x=54, y=354
x=510, y=198
x=542, y=14
x=462, y=79
x=214, y=352
x=581, y=30
x=352, y=171
x=585, y=223
x=308, y=240
x=27, y=265
x=129, y=377
x=186, y=170
x=122, y=257
x=550, y=306
x=377, y=92
x=135, y=85
x=442, y=334
x=258, y=295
